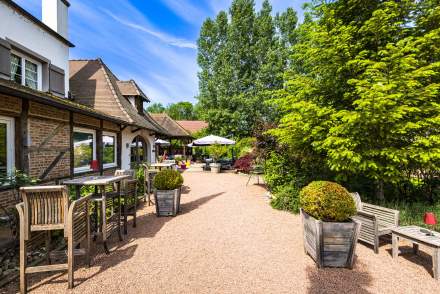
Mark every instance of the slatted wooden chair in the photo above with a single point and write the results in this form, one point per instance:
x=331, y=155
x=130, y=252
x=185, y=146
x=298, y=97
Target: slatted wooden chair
x=149, y=175
x=45, y=209
x=376, y=221
x=129, y=196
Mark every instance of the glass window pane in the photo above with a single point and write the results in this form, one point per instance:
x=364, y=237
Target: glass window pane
x=109, y=149
x=82, y=149
x=16, y=68
x=31, y=79
x=3, y=150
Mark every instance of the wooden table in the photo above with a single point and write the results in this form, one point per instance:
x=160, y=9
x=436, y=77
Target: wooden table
x=103, y=199
x=417, y=236
x=159, y=166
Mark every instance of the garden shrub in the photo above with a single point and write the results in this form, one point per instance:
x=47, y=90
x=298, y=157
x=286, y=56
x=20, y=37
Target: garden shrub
x=167, y=180
x=244, y=163
x=244, y=146
x=327, y=201
x=287, y=198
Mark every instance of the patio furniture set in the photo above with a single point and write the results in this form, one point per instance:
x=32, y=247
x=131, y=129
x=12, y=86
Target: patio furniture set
x=377, y=221
x=45, y=209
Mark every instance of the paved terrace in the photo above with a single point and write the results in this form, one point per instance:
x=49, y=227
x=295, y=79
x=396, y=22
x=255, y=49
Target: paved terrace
x=229, y=240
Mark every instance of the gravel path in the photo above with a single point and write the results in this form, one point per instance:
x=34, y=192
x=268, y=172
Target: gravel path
x=229, y=240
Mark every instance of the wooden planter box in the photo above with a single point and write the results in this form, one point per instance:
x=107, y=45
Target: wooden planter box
x=167, y=202
x=330, y=244
x=215, y=167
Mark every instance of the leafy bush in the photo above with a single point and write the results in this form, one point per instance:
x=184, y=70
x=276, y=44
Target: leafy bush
x=327, y=201
x=216, y=151
x=287, y=198
x=244, y=163
x=167, y=180
x=244, y=146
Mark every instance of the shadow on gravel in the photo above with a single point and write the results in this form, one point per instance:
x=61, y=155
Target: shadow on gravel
x=422, y=258
x=335, y=280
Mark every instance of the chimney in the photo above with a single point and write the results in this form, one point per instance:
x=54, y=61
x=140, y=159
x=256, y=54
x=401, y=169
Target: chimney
x=55, y=15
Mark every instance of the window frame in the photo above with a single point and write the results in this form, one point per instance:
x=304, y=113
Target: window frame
x=115, y=161
x=81, y=169
x=39, y=65
x=10, y=143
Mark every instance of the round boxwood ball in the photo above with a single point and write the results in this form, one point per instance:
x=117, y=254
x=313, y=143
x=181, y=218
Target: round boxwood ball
x=327, y=201
x=167, y=180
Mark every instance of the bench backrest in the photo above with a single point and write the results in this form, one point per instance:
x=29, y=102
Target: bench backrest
x=357, y=200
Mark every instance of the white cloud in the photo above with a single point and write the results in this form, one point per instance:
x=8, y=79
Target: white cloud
x=170, y=40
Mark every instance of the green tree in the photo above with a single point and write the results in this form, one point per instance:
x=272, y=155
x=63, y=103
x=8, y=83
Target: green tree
x=241, y=56
x=181, y=111
x=362, y=90
x=156, y=107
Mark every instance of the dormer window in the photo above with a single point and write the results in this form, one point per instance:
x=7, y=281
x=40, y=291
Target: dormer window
x=28, y=75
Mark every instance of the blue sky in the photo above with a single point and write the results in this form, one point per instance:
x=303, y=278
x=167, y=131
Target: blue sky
x=150, y=41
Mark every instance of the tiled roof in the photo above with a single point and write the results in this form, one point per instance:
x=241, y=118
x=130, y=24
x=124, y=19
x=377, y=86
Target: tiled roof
x=93, y=84
x=172, y=127
x=12, y=88
x=193, y=126
x=130, y=88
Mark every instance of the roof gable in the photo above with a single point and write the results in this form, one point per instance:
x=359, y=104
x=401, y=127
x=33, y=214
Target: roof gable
x=93, y=84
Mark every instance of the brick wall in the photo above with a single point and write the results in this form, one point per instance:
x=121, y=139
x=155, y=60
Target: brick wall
x=86, y=120
x=49, y=138
x=10, y=105
x=110, y=126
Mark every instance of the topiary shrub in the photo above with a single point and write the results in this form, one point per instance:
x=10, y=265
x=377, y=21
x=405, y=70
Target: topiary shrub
x=286, y=198
x=167, y=180
x=327, y=201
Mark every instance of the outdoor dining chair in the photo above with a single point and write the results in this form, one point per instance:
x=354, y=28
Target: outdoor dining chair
x=45, y=209
x=129, y=196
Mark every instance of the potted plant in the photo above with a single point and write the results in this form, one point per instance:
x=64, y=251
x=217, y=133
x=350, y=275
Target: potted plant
x=216, y=151
x=167, y=189
x=330, y=234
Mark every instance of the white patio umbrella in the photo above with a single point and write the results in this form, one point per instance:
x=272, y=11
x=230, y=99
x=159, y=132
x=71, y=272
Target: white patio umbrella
x=162, y=142
x=211, y=140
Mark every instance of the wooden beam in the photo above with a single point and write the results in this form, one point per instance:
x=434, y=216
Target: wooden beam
x=52, y=165
x=71, y=145
x=99, y=151
x=24, y=136
x=119, y=149
x=135, y=130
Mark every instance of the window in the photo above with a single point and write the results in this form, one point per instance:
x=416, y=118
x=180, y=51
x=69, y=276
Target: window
x=28, y=75
x=109, y=149
x=84, y=147
x=31, y=77
x=6, y=146
x=138, y=150
x=16, y=69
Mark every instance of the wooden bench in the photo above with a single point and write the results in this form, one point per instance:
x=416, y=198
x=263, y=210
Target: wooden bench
x=376, y=221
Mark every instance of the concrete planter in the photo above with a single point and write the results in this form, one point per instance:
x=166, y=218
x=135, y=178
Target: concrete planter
x=330, y=244
x=167, y=202
x=215, y=167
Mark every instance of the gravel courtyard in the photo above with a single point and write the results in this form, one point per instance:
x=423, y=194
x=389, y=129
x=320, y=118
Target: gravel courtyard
x=227, y=239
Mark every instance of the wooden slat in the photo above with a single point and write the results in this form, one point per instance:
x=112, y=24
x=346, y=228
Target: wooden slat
x=46, y=268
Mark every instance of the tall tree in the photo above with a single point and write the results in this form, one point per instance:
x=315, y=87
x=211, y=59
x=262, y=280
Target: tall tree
x=240, y=56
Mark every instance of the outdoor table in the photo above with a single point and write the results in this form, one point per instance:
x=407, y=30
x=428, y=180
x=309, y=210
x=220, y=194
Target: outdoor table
x=417, y=236
x=163, y=165
x=102, y=199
